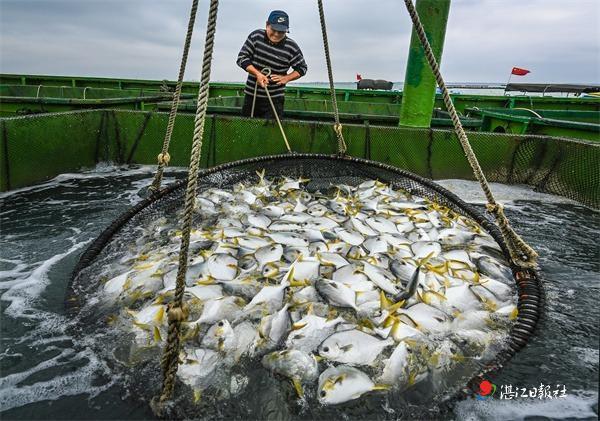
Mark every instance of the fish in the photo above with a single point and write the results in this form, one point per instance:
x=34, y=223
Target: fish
x=220, y=337
x=273, y=328
x=308, y=332
x=344, y=383
x=199, y=367
x=411, y=286
x=298, y=366
x=382, y=278
x=222, y=266
x=268, y=254
x=221, y=308
x=289, y=239
x=331, y=259
x=336, y=293
x=396, y=369
x=364, y=275
x=353, y=347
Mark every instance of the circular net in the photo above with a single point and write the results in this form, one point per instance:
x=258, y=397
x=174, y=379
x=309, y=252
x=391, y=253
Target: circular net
x=391, y=359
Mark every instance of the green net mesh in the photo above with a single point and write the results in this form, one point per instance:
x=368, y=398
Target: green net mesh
x=560, y=166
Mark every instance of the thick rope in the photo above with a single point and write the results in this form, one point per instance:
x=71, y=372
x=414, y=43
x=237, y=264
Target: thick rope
x=267, y=72
x=176, y=311
x=164, y=157
x=287, y=144
x=521, y=253
x=337, y=127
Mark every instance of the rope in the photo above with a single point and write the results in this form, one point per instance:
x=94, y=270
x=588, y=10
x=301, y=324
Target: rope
x=521, y=253
x=267, y=72
x=176, y=311
x=337, y=127
x=164, y=157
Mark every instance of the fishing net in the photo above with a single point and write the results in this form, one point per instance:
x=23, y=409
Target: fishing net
x=263, y=395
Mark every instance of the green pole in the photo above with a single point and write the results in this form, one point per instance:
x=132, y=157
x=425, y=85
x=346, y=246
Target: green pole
x=418, y=95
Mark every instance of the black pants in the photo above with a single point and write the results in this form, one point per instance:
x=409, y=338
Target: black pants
x=262, y=107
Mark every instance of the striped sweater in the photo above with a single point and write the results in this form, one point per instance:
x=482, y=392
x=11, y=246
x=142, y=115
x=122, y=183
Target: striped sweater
x=260, y=52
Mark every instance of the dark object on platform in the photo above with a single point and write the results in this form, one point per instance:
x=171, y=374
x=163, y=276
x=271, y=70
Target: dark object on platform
x=375, y=84
x=552, y=87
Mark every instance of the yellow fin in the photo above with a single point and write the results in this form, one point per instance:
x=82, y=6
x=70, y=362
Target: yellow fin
x=299, y=283
x=383, y=300
x=208, y=280
x=389, y=321
x=197, y=395
x=298, y=326
x=144, y=266
x=412, y=378
x=143, y=326
x=298, y=387
x=396, y=306
x=366, y=323
x=157, y=337
x=159, y=314
x=513, y=314
x=381, y=387
x=437, y=294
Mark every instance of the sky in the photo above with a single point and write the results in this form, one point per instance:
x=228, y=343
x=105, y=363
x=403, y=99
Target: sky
x=557, y=40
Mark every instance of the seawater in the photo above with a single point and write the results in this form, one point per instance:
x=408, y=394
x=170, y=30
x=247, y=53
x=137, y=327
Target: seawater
x=46, y=372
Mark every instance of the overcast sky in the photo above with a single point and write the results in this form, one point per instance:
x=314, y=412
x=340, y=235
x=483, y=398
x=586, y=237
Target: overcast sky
x=558, y=40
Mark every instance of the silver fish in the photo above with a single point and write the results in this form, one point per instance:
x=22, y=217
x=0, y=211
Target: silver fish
x=343, y=383
x=353, y=347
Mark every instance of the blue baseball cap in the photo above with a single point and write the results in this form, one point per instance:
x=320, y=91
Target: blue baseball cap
x=279, y=21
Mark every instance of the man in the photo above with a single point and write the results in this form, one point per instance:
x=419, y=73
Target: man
x=270, y=48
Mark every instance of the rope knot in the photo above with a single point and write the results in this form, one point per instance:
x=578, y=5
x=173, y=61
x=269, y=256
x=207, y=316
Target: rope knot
x=495, y=208
x=164, y=158
x=338, y=128
x=178, y=314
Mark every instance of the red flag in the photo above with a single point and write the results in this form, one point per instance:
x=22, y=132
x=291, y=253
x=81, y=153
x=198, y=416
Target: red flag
x=358, y=77
x=519, y=72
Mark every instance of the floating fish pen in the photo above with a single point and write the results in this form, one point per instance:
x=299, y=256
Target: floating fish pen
x=327, y=270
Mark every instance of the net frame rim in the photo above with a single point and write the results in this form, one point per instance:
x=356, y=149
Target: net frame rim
x=528, y=283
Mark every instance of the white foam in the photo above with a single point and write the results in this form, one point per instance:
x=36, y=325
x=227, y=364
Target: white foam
x=470, y=191
x=577, y=404
x=102, y=170
x=80, y=381
x=27, y=289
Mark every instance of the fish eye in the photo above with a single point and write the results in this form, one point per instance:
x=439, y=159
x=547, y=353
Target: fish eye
x=326, y=349
x=221, y=323
x=323, y=393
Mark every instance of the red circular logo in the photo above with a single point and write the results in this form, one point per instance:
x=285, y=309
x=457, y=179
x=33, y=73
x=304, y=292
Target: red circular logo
x=485, y=388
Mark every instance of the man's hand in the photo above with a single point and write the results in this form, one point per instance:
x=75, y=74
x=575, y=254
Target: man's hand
x=262, y=80
x=280, y=79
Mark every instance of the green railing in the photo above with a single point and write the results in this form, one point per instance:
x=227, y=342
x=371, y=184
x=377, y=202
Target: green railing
x=37, y=147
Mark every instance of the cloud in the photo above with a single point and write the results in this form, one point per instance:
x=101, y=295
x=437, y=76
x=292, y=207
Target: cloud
x=558, y=41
